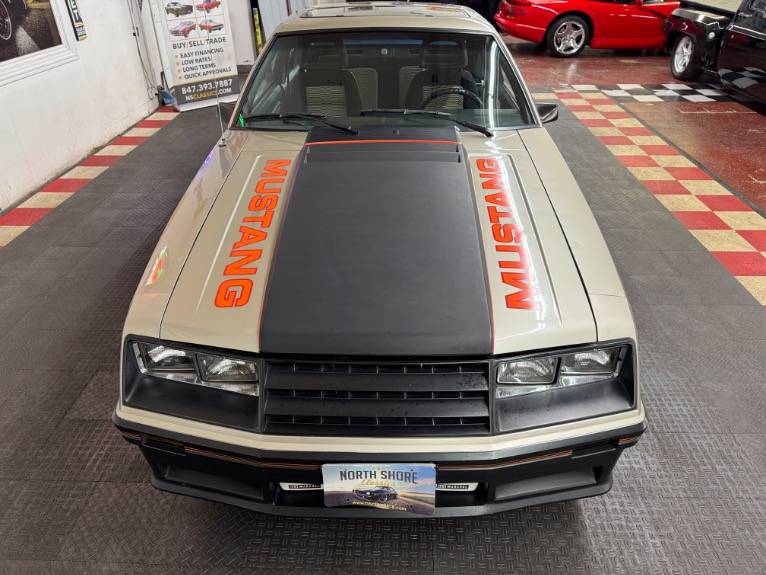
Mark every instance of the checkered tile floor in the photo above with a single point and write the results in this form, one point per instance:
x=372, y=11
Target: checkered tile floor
x=16, y=221
x=746, y=79
x=75, y=498
x=727, y=227
x=658, y=92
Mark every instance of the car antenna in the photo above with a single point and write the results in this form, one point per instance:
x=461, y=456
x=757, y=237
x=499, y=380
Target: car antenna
x=222, y=141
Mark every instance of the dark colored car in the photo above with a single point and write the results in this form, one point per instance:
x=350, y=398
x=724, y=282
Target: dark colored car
x=178, y=9
x=730, y=45
x=380, y=494
x=11, y=13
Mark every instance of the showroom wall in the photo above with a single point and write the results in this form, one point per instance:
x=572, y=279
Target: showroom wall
x=60, y=97
x=242, y=22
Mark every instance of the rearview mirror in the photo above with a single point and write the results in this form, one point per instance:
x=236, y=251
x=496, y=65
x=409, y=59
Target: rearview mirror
x=548, y=112
x=226, y=109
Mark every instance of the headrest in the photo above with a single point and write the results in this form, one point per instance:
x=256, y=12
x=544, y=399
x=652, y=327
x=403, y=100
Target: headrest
x=444, y=54
x=324, y=53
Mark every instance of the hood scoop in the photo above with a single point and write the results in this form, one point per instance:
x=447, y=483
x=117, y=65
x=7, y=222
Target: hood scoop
x=380, y=144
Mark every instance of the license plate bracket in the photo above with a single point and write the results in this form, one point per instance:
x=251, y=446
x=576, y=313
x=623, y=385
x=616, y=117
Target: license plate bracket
x=402, y=487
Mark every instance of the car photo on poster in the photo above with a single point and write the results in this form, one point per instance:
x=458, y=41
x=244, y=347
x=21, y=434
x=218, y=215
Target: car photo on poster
x=178, y=9
x=210, y=26
x=208, y=6
x=183, y=28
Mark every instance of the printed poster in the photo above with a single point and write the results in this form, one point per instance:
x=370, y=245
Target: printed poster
x=200, y=50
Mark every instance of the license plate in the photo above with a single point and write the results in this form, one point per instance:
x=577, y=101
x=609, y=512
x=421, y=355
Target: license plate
x=410, y=488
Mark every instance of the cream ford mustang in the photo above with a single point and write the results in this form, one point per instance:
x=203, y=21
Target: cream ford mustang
x=384, y=279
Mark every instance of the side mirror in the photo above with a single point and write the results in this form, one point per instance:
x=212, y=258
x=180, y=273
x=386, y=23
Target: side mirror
x=226, y=109
x=548, y=112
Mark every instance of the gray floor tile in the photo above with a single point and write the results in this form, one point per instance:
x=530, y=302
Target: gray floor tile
x=74, y=496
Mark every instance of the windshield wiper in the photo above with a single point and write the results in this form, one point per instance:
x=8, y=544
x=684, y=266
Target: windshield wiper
x=433, y=113
x=292, y=119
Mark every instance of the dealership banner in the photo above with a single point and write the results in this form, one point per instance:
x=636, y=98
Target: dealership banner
x=200, y=57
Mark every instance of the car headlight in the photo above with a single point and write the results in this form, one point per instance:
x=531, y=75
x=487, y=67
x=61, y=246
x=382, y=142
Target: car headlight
x=209, y=370
x=543, y=373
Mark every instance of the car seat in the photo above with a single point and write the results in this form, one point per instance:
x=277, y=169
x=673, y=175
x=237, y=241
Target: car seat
x=443, y=66
x=327, y=88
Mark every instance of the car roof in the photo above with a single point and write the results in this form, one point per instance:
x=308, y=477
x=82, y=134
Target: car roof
x=334, y=15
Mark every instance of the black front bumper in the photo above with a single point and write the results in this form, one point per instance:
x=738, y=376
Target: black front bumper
x=250, y=479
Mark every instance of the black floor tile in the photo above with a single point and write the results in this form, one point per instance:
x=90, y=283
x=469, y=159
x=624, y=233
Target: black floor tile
x=75, y=497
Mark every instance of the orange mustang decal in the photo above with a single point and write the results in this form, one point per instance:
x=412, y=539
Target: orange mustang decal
x=235, y=290
x=508, y=237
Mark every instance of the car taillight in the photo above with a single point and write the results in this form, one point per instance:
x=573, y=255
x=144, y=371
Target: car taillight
x=508, y=9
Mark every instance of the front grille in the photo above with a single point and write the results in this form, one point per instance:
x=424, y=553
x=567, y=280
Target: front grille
x=376, y=398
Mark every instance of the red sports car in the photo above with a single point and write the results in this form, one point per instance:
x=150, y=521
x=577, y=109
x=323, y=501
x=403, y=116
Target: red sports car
x=209, y=5
x=567, y=26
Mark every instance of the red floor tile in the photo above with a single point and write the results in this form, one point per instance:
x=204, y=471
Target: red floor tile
x=742, y=263
x=569, y=95
x=23, y=216
x=152, y=123
x=166, y=109
x=722, y=143
x=637, y=161
x=129, y=141
x=616, y=141
x=582, y=108
x=660, y=150
x=660, y=187
x=597, y=123
x=100, y=161
x=66, y=185
x=724, y=203
x=757, y=238
x=688, y=174
x=616, y=115
x=701, y=221
x=636, y=131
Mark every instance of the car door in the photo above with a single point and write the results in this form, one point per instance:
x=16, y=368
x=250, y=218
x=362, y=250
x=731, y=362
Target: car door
x=630, y=23
x=742, y=58
x=649, y=16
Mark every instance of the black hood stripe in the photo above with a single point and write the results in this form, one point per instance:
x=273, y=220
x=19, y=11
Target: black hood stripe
x=379, y=258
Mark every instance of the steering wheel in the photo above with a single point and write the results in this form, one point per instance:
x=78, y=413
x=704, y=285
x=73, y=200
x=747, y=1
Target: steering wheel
x=453, y=90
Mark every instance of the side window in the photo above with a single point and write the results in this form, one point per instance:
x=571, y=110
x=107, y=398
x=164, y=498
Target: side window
x=268, y=95
x=269, y=83
x=508, y=93
x=753, y=15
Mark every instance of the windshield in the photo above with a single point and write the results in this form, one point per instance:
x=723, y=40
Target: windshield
x=368, y=77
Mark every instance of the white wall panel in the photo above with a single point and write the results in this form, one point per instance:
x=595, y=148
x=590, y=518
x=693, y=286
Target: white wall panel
x=52, y=118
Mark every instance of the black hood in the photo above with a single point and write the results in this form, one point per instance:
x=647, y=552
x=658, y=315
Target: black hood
x=379, y=253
